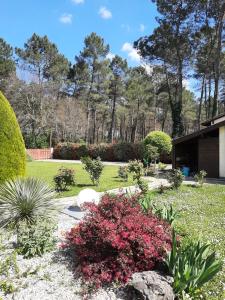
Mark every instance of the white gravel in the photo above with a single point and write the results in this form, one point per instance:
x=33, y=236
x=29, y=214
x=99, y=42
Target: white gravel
x=52, y=276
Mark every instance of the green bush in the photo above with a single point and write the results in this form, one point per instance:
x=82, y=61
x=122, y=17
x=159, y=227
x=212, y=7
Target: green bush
x=36, y=239
x=160, y=140
x=123, y=173
x=136, y=168
x=8, y=266
x=162, y=166
x=143, y=186
x=151, y=154
x=200, y=177
x=94, y=167
x=150, y=171
x=32, y=142
x=25, y=200
x=192, y=266
x=64, y=179
x=175, y=177
x=12, y=148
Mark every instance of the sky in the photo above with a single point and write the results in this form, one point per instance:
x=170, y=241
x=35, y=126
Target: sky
x=68, y=22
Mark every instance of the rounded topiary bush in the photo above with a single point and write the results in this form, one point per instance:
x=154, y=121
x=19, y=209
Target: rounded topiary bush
x=160, y=140
x=12, y=148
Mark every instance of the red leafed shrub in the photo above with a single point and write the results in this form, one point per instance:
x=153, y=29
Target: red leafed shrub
x=116, y=239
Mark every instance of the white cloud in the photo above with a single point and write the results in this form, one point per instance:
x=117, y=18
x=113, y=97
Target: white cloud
x=66, y=18
x=126, y=27
x=142, y=28
x=105, y=13
x=110, y=56
x=131, y=52
x=77, y=1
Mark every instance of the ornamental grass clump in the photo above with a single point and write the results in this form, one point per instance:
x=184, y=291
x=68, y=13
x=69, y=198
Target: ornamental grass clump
x=116, y=239
x=26, y=200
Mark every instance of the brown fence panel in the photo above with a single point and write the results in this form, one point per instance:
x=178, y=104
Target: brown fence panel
x=37, y=154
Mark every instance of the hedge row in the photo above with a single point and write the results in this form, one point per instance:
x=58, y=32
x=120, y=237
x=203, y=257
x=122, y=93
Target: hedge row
x=107, y=152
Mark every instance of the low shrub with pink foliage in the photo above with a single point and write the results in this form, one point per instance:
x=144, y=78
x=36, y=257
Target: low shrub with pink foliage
x=116, y=239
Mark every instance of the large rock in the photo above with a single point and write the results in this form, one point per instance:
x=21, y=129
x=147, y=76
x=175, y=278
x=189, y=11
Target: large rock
x=150, y=285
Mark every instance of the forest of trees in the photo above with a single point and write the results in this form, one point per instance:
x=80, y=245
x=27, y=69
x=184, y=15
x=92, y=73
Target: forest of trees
x=96, y=99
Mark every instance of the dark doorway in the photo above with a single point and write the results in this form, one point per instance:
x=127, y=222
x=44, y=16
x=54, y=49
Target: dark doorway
x=208, y=156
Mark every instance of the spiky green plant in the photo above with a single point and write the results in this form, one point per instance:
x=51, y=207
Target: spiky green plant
x=25, y=200
x=192, y=266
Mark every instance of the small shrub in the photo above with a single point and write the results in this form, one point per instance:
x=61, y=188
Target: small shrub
x=64, y=179
x=200, y=177
x=192, y=266
x=36, y=239
x=162, y=166
x=116, y=239
x=143, y=186
x=136, y=168
x=8, y=266
x=123, y=173
x=175, y=177
x=151, y=153
x=162, y=188
x=150, y=171
x=25, y=200
x=7, y=287
x=94, y=167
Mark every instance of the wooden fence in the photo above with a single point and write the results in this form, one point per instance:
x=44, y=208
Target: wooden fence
x=37, y=154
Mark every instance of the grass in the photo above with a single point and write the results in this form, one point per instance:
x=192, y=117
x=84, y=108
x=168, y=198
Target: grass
x=47, y=170
x=201, y=216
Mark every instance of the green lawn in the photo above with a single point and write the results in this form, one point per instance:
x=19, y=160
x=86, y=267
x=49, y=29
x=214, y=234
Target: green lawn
x=201, y=216
x=47, y=170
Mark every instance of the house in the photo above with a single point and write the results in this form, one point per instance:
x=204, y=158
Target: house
x=203, y=150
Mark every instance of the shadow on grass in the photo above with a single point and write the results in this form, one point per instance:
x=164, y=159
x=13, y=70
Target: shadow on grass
x=80, y=185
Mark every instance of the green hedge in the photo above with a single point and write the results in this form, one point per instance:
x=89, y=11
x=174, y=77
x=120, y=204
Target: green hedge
x=12, y=148
x=107, y=152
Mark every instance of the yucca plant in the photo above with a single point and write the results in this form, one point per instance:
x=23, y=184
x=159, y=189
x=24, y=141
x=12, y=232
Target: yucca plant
x=192, y=266
x=25, y=200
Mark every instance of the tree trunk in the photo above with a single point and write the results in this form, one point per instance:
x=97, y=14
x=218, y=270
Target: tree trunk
x=218, y=61
x=110, y=136
x=200, y=103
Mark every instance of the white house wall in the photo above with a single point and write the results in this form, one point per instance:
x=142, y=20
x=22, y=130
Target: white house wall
x=222, y=151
